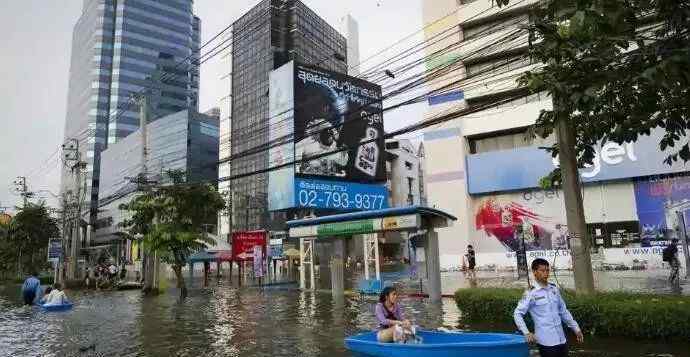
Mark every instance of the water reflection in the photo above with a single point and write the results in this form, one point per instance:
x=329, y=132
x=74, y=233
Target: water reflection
x=223, y=321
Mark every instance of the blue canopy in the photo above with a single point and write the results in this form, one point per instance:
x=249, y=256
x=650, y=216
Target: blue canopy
x=203, y=256
x=386, y=212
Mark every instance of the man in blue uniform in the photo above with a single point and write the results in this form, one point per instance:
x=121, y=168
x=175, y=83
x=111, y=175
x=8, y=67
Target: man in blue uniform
x=548, y=311
x=31, y=290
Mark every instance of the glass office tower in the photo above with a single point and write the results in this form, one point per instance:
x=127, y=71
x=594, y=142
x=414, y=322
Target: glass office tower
x=120, y=47
x=268, y=36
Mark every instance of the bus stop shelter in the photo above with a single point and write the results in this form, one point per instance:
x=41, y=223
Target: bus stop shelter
x=368, y=224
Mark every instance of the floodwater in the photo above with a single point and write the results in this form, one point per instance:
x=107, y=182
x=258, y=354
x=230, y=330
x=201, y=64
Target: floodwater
x=224, y=320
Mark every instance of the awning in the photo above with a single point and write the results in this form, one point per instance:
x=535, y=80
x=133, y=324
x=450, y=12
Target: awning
x=203, y=257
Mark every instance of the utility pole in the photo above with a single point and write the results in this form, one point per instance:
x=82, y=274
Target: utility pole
x=151, y=262
x=73, y=160
x=21, y=185
x=574, y=208
x=23, y=189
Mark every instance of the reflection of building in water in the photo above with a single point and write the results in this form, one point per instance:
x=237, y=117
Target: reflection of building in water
x=670, y=213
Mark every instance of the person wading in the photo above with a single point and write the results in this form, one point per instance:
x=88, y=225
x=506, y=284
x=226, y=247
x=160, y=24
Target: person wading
x=548, y=311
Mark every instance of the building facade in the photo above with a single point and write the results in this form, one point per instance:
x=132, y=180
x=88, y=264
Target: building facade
x=485, y=168
x=268, y=36
x=118, y=49
x=185, y=141
x=404, y=180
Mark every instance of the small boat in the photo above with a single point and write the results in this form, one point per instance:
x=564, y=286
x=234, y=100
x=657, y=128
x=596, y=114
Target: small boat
x=442, y=344
x=61, y=307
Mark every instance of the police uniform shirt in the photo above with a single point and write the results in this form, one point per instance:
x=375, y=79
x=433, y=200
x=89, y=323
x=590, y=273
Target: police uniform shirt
x=548, y=311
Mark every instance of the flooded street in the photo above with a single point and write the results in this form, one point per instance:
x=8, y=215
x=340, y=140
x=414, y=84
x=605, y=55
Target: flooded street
x=228, y=321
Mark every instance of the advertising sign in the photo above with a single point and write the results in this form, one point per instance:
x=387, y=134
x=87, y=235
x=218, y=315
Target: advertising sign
x=521, y=168
x=657, y=204
x=281, y=101
x=336, y=125
x=258, y=261
x=335, y=111
x=243, y=244
x=340, y=195
x=54, y=249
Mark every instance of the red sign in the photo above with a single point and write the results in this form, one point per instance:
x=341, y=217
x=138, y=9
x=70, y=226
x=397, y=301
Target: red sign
x=243, y=244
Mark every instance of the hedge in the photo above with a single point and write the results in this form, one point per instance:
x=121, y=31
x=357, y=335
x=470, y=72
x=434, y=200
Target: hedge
x=603, y=313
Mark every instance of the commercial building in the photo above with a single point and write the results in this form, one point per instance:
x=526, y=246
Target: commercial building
x=405, y=174
x=484, y=168
x=185, y=141
x=269, y=35
x=117, y=46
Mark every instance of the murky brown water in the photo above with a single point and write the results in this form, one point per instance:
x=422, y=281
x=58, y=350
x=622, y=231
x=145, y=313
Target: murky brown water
x=228, y=321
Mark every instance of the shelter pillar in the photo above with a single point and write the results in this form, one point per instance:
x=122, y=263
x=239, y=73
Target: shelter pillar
x=336, y=265
x=433, y=265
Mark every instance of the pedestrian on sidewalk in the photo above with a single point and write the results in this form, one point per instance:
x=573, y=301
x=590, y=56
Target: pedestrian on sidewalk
x=548, y=311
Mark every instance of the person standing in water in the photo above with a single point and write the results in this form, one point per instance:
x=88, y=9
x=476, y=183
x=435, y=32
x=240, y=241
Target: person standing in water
x=31, y=289
x=548, y=311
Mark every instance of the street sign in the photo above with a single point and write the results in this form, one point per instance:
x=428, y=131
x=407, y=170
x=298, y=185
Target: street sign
x=54, y=249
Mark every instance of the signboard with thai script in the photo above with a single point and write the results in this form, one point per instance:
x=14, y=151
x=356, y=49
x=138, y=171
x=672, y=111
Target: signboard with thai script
x=406, y=222
x=243, y=244
x=54, y=249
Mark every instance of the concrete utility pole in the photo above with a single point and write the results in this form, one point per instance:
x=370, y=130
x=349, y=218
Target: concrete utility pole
x=23, y=189
x=574, y=208
x=151, y=261
x=73, y=155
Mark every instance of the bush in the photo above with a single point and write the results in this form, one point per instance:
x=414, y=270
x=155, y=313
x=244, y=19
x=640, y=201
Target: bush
x=605, y=314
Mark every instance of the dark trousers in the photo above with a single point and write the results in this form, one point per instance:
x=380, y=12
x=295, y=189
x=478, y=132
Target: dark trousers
x=29, y=297
x=553, y=351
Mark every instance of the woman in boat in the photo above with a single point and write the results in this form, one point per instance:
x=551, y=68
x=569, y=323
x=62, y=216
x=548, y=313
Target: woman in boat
x=389, y=315
x=56, y=296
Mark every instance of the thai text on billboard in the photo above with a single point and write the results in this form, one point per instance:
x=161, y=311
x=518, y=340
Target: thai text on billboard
x=243, y=244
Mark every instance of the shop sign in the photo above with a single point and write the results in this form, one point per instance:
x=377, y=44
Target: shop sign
x=346, y=228
x=400, y=222
x=521, y=168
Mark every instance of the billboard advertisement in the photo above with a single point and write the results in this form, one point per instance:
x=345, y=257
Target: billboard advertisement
x=243, y=244
x=329, y=125
x=657, y=204
x=336, y=112
x=281, y=100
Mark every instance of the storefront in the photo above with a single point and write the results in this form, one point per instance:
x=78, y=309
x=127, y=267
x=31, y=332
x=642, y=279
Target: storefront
x=631, y=203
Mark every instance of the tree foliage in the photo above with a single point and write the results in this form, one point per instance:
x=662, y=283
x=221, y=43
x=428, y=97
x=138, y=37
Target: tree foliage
x=171, y=219
x=616, y=69
x=25, y=239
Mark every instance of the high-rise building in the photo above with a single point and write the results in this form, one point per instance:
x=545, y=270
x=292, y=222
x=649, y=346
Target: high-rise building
x=271, y=34
x=118, y=49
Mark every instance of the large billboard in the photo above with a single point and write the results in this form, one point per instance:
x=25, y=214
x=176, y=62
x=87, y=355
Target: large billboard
x=336, y=112
x=658, y=203
x=330, y=127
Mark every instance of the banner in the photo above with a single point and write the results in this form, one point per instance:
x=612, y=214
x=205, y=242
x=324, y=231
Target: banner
x=54, y=249
x=258, y=261
x=657, y=204
x=243, y=244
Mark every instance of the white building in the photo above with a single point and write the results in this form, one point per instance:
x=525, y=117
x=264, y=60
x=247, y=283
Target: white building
x=403, y=166
x=483, y=169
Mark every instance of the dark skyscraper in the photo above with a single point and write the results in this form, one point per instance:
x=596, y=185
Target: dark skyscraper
x=271, y=34
x=117, y=45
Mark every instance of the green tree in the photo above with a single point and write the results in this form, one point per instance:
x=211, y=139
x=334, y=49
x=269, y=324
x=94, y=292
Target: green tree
x=616, y=69
x=25, y=239
x=171, y=218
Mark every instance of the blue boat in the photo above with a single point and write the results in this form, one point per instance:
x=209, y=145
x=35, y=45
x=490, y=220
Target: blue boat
x=442, y=344
x=61, y=307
